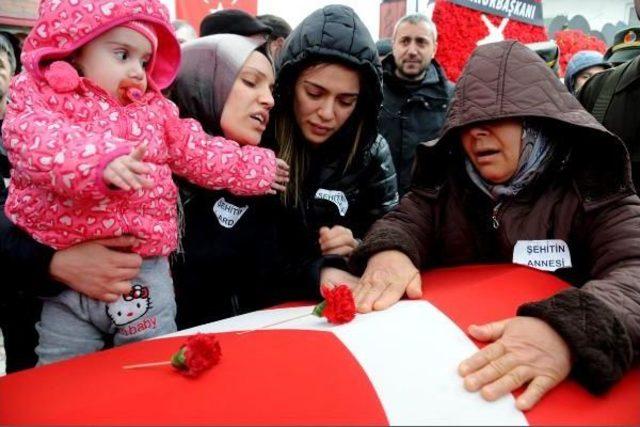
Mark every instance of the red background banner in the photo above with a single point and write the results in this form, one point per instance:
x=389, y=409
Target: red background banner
x=390, y=13
x=460, y=29
x=193, y=11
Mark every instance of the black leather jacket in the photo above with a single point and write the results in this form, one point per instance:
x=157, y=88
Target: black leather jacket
x=357, y=195
x=354, y=198
x=412, y=113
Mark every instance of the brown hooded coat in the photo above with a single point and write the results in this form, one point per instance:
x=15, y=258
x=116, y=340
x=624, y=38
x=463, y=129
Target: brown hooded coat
x=585, y=198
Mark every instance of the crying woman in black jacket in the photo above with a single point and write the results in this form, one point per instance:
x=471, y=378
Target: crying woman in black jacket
x=328, y=92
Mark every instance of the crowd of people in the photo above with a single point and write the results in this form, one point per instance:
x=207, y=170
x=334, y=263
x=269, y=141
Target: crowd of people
x=160, y=180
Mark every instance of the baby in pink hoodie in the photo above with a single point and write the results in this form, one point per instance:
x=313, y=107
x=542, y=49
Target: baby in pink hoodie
x=94, y=144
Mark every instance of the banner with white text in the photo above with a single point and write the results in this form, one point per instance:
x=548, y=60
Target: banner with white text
x=528, y=11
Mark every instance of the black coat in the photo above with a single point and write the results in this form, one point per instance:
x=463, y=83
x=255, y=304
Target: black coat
x=623, y=115
x=4, y=162
x=24, y=265
x=333, y=194
x=412, y=113
x=240, y=254
x=368, y=186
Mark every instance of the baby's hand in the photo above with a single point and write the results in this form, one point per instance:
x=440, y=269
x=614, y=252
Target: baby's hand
x=282, y=177
x=127, y=172
x=337, y=240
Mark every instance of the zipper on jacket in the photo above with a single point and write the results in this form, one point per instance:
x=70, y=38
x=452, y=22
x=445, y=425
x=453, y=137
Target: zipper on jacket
x=495, y=222
x=235, y=305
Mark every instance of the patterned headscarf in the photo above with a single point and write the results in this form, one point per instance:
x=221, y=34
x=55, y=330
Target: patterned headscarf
x=535, y=155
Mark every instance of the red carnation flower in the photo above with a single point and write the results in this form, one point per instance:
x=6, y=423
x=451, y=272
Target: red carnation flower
x=338, y=306
x=201, y=352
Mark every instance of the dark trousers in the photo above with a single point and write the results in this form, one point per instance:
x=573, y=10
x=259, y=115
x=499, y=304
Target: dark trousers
x=18, y=319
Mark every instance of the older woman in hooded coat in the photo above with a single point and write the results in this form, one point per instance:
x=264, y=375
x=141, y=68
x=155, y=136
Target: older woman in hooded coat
x=519, y=161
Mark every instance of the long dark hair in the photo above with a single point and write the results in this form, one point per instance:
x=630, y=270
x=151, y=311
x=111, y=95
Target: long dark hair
x=294, y=149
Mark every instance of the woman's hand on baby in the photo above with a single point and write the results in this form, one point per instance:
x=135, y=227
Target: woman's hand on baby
x=100, y=269
x=282, y=177
x=127, y=172
x=337, y=240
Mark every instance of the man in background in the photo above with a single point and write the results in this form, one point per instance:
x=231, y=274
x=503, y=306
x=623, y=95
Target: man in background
x=416, y=93
x=625, y=47
x=582, y=66
x=612, y=97
x=233, y=21
x=184, y=31
x=280, y=30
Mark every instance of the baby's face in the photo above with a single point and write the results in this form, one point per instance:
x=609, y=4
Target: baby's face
x=115, y=61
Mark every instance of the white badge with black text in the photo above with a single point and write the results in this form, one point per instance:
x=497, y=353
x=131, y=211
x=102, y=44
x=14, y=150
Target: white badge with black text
x=336, y=197
x=227, y=213
x=547, y=255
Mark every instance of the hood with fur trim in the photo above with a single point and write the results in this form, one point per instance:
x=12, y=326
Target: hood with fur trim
x=63, y=26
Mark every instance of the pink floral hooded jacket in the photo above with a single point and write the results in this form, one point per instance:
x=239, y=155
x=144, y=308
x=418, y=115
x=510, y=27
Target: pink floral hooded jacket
x=61, y=131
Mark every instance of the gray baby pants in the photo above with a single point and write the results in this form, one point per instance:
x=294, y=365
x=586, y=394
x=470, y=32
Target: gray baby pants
x=73, y=324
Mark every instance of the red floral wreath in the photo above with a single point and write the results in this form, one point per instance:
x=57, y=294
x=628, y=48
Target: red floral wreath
x=459, y=29
x=572, y=41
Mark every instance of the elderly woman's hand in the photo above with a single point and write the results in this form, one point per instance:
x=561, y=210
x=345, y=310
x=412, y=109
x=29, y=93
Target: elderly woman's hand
x=525, y=350
x=337, y=240
x=388, y=276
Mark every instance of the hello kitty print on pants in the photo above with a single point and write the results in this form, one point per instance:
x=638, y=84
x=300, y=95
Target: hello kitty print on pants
x=73, y=324
x=129, y=308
